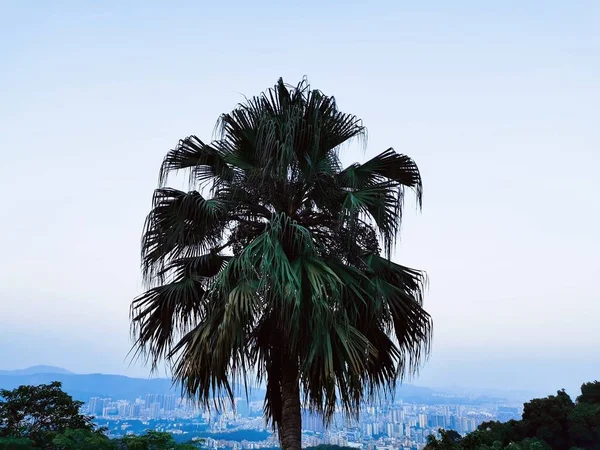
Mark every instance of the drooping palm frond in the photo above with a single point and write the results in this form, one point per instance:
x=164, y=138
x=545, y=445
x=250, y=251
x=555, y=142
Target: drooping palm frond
x=205, y=161
x=280, y=270
x=377, y=187
x=387, y=166
x=180, y=224
x=401, y=288
x=164, y=313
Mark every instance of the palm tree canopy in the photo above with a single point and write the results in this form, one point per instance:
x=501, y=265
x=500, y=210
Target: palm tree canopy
x=279, y=257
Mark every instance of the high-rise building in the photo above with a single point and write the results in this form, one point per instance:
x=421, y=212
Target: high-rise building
x=123, y=408
x=455, y=424
x=440, y=421
x=389, y=428
x=464, y=422
x=154, y=410
x=96, y=406
x=399, y=429
x=134, y=410
x=472, y=425
x=376, y=429
x=169, y=402
x=312, y=422
x=151, y=399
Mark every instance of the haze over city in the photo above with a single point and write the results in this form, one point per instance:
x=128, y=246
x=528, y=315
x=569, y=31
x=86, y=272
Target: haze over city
x=498, y=105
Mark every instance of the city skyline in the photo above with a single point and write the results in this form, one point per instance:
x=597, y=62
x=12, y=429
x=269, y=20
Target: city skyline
x=403, y=421
x=398, y=423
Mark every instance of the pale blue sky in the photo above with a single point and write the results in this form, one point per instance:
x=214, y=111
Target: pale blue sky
x=498, y=102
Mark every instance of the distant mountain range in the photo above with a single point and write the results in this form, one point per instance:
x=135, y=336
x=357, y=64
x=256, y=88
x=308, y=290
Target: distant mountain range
x=36, y=370
x=85, y=386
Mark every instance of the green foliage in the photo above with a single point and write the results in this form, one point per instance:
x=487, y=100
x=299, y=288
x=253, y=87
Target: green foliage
x=39, y=413
x=547, y=419
x=82, y=440
x=154, y=440
x=474, y=440
x=550, y=423
x=590, y=393
x=449, y=440
x=45, y=417
x=272, y=261
x=16, y=443
x=534, y=444
x=504, y=433
x=584, y=426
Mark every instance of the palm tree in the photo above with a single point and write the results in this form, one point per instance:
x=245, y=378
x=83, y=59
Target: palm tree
x=272, y=264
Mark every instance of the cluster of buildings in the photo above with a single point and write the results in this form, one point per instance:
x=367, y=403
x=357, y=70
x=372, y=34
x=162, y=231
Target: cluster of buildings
x=402, y=426
x=393, y=426
x=152, y=406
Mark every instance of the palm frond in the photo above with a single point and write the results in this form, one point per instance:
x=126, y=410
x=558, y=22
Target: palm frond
x=401, y=288
x=201, y=365
x=216, y=353
x=181, y=224
x=199, y=267
x=205, y=161
x=322, y=129
x=387, y=166
x=380, y=203
x=162, y=314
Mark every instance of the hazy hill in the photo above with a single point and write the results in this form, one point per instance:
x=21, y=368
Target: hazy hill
x=33, y=370
x=83, y=387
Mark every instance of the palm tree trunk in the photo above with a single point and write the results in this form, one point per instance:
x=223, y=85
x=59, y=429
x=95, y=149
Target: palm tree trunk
x=290, y=427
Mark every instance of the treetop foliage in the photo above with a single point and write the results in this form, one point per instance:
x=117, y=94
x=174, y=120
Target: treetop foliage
x=44, y=417
x=551, y=423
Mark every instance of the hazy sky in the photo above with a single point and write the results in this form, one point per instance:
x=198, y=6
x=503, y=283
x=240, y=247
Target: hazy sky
x=498, y=102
